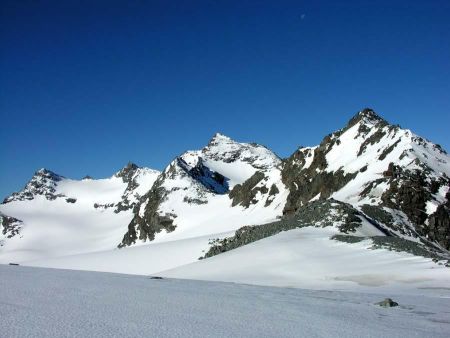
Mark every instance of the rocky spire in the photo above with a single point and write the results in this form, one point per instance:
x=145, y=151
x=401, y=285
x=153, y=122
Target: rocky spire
x=127, y=172
x=368, y=115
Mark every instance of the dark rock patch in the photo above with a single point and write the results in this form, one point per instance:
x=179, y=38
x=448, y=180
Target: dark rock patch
x=388, y=150
x=320, y=213
x=438, y=228
x=387, y=302
x=151, y=222
x=244, y=194
x=10, y=226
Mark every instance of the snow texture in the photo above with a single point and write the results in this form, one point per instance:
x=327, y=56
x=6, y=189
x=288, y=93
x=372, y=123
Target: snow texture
x=60, y=303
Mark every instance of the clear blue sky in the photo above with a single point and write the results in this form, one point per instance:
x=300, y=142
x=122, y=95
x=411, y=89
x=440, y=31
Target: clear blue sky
x=86, y=87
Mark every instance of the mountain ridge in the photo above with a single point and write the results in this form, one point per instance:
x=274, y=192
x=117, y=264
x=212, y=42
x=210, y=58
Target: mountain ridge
x=390, y=180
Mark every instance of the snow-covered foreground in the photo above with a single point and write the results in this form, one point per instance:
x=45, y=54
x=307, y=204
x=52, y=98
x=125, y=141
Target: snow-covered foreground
x=302, y=258
x=37, y=302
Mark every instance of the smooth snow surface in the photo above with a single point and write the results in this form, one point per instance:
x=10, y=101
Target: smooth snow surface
x=57, y=228
x=61, y=303
x=140, y=260
x=308, y=258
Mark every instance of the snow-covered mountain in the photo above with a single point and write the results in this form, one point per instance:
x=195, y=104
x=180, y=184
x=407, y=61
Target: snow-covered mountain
x=55, y=216
x=200, y=193
x=370, y=185
x=393, y=176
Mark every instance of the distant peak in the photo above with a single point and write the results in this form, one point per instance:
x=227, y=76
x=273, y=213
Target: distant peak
x=131, y=166
x=367, y=115
x=219, y=138
x=43, y=172
x=128, y=171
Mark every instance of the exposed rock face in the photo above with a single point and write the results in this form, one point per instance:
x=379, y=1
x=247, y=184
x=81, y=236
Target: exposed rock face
x=128, y=172
x=211, y=180
x=307, y=173
x=393, y=225
x=438, y=229
x=10, y=226
x=245, y=194
x=130, y=175
x=409, y=191
x=42, y=183
x=147, y=221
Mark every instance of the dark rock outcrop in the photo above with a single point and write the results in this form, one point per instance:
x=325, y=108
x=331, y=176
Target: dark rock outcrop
x=323, y=213
x=387, y=303
x=306, y=183
x=438, y=228
x=211, y=180
x=10, y=226
x=244, y=194
x=146, y=225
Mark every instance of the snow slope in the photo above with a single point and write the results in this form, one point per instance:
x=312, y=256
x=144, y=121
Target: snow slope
x=309, y=258
x=61, y=303
x=300, y=258
x=142, y=259
x=69, y=217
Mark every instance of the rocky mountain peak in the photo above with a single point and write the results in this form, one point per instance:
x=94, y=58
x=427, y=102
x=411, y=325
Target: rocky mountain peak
x=368, y=117
x=224, y=149
x=43, y=172
x=218, y=138
x=127, y=172
x=377, y=166
x=43, y=183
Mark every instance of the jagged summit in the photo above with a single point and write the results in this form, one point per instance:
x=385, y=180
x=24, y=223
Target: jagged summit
x=218, y=137
x=369, y=113
x=127, y=172
x=131, y=166
x=48, y=173
x=43, y=183
x=368, y=117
